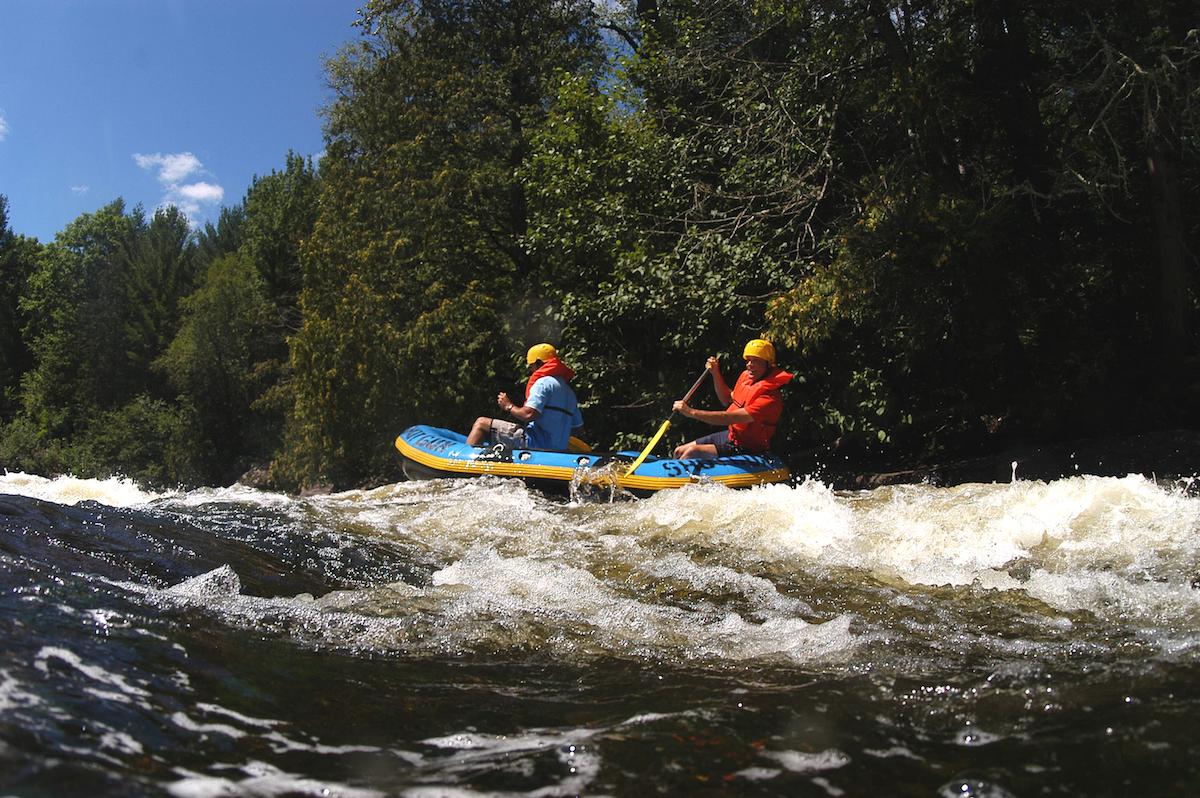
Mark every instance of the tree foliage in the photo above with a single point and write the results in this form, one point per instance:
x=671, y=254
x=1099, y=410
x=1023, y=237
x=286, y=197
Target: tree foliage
x=156, y=350
x=999, y=243
x=964, y=223
x=416, y=255
x=18, y=255
x=215, y=364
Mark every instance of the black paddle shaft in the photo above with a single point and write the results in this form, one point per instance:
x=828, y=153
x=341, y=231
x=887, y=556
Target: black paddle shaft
x=696, y=386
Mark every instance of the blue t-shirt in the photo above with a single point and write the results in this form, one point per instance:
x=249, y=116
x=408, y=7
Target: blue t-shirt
x=554, y=399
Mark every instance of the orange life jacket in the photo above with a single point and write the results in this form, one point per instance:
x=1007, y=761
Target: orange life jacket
x=766, y=404
x=550, y=368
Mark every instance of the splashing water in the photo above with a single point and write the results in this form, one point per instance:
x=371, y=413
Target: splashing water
x=599, y=483
x=474, y=637
x=114, y=491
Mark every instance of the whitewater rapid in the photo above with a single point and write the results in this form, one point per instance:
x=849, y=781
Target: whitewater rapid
x=472, y=637
x=499, y=565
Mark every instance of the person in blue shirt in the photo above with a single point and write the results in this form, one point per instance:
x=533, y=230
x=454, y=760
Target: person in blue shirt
x=549, y=414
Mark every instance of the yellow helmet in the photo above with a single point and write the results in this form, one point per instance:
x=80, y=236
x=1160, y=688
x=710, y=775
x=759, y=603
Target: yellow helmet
x=542, y=352
x=761, y=349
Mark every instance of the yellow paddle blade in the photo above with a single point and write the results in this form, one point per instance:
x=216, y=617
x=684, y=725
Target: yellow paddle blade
x=578, y=446
x=641, y=457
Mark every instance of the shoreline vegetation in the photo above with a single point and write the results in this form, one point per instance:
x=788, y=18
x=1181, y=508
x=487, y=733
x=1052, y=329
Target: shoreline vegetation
x=966, y=226
x=1166, y=456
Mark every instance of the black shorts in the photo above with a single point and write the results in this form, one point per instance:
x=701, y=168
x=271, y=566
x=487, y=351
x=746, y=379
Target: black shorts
x=721, y=441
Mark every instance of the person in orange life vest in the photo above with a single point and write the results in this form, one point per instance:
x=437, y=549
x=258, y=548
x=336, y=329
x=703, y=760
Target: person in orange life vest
x=549, y=414
x=754, y=407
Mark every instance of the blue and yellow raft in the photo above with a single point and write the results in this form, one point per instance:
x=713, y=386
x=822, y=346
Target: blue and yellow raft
x=432, y=453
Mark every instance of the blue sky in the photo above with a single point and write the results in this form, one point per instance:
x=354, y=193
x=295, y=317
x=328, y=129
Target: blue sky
x=156, y=101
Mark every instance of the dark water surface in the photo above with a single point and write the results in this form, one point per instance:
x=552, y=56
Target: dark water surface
x=473, y=638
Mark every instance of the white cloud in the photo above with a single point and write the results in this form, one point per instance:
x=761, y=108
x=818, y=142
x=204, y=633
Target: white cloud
x=80, y=189
x=171, y=170
x=201, y=192
x=3, y=127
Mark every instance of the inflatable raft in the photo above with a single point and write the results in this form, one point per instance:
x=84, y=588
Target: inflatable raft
x=432, y=453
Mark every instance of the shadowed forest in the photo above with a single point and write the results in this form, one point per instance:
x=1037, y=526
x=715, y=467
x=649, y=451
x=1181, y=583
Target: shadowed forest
x=964, y=223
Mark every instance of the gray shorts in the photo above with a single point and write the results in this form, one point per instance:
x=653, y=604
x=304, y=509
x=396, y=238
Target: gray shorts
x=721, y=441
x=510, y=434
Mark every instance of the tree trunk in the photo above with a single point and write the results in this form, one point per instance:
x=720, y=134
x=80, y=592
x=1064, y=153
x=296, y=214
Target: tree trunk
x=932, y=145
x=1172, y=319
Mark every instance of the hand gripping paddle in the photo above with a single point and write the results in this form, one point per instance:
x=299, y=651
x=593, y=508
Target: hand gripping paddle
x=665, y=425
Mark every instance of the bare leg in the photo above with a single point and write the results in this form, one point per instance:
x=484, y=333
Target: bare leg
x=480, y=432
x=696, y=451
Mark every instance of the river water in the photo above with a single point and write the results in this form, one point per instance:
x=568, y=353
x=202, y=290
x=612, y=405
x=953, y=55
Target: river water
x=471, y=637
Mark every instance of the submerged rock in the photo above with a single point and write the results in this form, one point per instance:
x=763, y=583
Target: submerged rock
x=258, y=477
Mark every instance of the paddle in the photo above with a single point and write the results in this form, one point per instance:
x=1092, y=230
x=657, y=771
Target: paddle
x=665, y=425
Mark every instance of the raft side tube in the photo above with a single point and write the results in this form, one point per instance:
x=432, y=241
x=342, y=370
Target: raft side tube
x=434, y=452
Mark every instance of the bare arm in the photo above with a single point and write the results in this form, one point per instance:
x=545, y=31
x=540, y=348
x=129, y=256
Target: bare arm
x=523, y=413
x=724, y=395
x=717, y=418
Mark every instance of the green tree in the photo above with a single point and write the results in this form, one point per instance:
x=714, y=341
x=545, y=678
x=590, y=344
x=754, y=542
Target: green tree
x=215, y=363
x=227, y=363
x=1124, y=104
x=101, y=303
x=279, y=212
x=17, y=257
x=669, y=212
x=416, y=254
x=74, y=310
x=945, y=208
x=158, y=271
x=223, y=238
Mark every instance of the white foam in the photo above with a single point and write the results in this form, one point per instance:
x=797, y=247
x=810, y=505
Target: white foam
x=504, y=744
x=583, y=605
x=580, y=763
x=776, y=520
x=1079, y=543
x=488, y=599
x=825, y=784
x=182, y=720
x=715, y=579
x=13, y=696
x=121, y=743
x=972, y=736
x=801, y=762
x=222, y=581
x=707, y=572
x=281, y=744
x=245, y=720
x=114, y=491
x=125, y=690
x=1167, y=614
x=261, y=781
x=234, y=494
x=896, y=750
x=758, y=774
